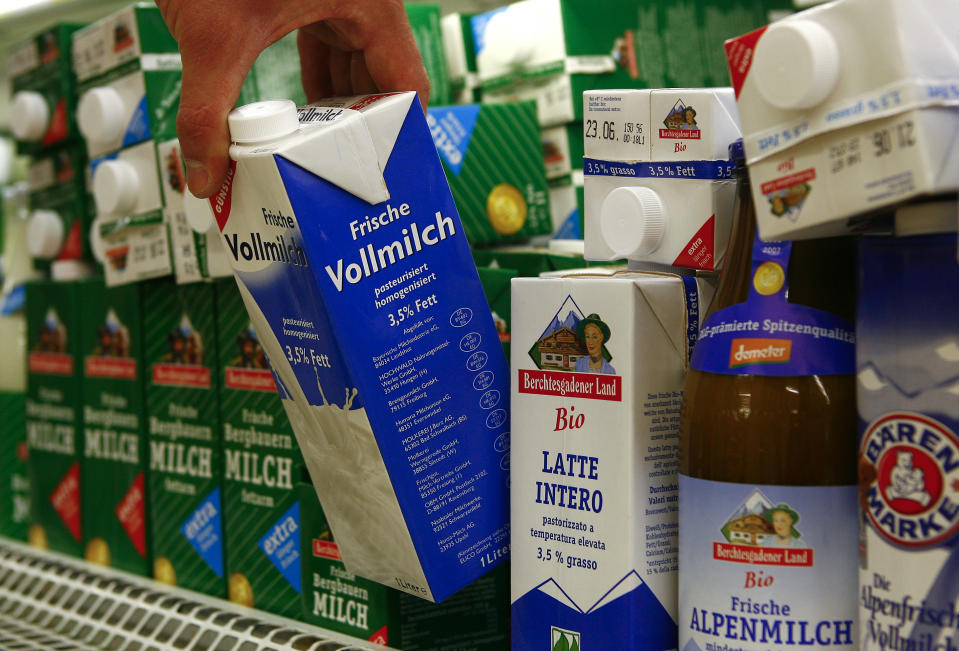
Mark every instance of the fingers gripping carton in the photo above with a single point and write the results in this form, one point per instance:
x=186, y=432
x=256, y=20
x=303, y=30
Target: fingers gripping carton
x=353, y=265
x=847, y=108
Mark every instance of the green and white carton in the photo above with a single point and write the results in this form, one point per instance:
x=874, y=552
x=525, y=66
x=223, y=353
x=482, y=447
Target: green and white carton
x=425, y=23
x=134, y=33
x=61, y=207
x=114, y=481
x=563, y=149
x=261, y=512
x=496, y=283
x=722, y=20
x=185, y=506
x=44, y=98
x=14, y=479
x=460, y=58
x=275, y=74
x=476, y=617
x=566, y=204
x=129, y=236
x=130, y=104
x=493, y=161
x=551, y=51
x=54, y=412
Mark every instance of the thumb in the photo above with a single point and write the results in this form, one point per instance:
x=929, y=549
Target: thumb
x=211, y=86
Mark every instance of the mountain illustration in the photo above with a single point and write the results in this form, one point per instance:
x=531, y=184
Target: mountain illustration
x=678, y=107
x=691, y=646
x=755, y=504
x=573, y=315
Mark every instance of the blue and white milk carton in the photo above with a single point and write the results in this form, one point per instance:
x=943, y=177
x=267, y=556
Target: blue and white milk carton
x=599, y=363
x=907, y=353
x=352, y=263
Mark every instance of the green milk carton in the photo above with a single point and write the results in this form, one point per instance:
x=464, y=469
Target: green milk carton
x=130, y=34
x=61, y=207
x=425, y=23
x=54, y=415
x=722, y=20
x=498, y=183
x=14, y=479
x=563, y=149
x=185, y=512
x=474, y=618
x=275, y=74
x=113, y=484
x=44, y=97
x=496, y=287
x=261, y=460
x=460, y=58
x=137, y=101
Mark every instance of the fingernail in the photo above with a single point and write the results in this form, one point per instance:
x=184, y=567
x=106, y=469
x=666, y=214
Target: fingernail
x=197, y=177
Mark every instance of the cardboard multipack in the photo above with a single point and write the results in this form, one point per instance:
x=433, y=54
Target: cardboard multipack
x=598, y=365
x=907, y=359
x=54, y=412
x=61, y=206
x=476, y=617
x=493, y=161
x=658, y=181
x=355, y=270
x=183, y=425
x=135, y=102
x=847, y=108
x=115, y=453
x=261, y=464
x=133, y=34
x=129, y=235
x=44, y=100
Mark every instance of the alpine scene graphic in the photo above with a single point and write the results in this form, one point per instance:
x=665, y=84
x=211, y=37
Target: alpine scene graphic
x=763, y=532
x=680, y=122
x=49, y=354
x=572, y=357
x=110, y=356
x=182, y=364
x=249, y=368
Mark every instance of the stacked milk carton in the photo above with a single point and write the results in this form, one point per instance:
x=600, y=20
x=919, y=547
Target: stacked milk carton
x=658, y=183
x=42, y=119
x=847, y=108
x=129, y=76
x=15, y=269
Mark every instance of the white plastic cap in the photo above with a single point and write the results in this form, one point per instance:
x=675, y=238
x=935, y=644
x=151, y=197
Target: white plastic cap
x=632, y=221
x=199, y=213
x=66, y=270
x=796, y=64
x=45, y=234
x=29, y=115
x=6, y=161
x=97, y=247
x=100, y=115
x=116, y=187
x=263, y=121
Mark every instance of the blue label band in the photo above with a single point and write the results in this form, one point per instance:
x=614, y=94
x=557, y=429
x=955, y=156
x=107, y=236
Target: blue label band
x=281, y=544
x=204, y=531
x=692, y=311
x=767, y=335
x=709, y=170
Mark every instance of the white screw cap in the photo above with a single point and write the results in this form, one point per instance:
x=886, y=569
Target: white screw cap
x=632, y=221
x=100, y=115
x=116, y=187
x=263, y=121
x=66, y=270
x=45, y=234
x=796, y=64
x=97, y=247
x=29, y=115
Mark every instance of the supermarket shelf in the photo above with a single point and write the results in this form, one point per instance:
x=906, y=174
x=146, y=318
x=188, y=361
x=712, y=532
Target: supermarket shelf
x=50, y=601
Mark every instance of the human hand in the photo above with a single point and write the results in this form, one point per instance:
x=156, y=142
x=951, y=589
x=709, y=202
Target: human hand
x=346, y=47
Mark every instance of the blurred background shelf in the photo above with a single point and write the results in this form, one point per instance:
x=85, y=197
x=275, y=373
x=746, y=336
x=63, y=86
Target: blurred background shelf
x=52, y=602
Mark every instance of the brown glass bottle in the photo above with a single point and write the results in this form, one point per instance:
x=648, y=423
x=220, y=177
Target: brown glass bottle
x=788, y=431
